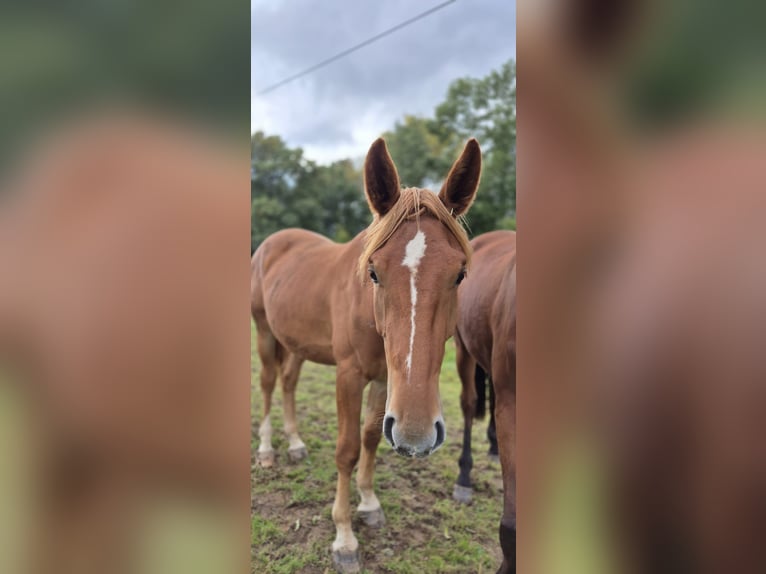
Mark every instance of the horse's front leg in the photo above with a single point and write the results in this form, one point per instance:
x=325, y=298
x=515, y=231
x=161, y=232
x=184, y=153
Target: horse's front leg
x=466, y=368
x=349, y=388
x=369, y=508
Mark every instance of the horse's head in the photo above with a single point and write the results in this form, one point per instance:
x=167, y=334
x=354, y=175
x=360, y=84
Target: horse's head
x=416, y=254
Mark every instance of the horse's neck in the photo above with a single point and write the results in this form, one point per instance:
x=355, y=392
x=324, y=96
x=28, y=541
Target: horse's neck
x=346, y=266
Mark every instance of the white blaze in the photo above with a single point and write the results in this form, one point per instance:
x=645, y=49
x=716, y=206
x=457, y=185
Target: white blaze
x=413, y=253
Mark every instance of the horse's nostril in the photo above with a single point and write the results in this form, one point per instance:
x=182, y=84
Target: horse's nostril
x=388, y=427
x=439, y=434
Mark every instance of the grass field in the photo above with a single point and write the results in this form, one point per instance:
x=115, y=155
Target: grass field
x=425, y=531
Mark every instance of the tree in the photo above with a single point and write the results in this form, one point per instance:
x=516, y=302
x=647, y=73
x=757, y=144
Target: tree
x=275, y=170
x=416, y=149
x=337, y=188
x=287, y=190
x=486, y=109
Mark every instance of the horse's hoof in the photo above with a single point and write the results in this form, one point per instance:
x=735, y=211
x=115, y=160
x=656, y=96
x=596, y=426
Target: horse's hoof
x=373, y=518
x=462, y=494
x=297, y=454
x=266, y=459
x=346, y=562
x=494, y=458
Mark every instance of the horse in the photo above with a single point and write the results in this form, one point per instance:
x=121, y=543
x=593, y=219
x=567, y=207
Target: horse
x=643, y=309
x=381, y=309
x=485, y=340
x=124, y=242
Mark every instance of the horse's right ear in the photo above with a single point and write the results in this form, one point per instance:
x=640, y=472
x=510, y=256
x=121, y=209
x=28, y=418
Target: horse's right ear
x=381, y=181
x=460, y=187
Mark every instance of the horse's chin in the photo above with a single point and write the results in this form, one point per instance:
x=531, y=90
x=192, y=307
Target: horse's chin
x=407, y=453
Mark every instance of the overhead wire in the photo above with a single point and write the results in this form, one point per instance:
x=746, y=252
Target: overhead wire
x=356, y=47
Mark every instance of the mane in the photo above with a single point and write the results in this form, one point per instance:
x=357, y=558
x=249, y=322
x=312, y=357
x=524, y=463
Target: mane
x=412, y=203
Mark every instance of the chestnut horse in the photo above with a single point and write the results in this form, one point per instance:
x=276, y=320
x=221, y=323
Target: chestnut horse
x=381, y=308
x=125, y=333
x=486, y=338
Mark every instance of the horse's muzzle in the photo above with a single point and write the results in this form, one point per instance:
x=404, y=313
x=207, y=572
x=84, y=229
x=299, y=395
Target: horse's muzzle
x=416, y=445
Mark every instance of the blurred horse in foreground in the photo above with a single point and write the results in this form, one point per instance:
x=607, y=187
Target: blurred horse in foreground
x=124, y=257
x=643, y=313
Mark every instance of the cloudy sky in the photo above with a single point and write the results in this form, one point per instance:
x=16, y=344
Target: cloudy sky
x=339, y=110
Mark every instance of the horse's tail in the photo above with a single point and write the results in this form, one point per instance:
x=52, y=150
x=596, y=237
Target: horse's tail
x=480, y=383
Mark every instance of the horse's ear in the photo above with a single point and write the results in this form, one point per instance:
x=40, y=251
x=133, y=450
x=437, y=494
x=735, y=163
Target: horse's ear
x=460, y=187
x=381, y=181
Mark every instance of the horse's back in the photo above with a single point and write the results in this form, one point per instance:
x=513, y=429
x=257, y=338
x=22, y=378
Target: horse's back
x=497, y=242
x=281, y=250
x=488, y=293
x=294, y=274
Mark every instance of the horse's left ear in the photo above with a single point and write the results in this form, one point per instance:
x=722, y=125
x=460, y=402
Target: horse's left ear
x=460, y=187
x=381, y=181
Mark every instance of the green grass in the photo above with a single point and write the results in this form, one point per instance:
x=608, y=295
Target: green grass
x=425, y=531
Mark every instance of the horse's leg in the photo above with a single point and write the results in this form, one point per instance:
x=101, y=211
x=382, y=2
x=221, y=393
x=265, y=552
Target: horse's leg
x=466, y=368
x=267, y=351
x=504, y=380
x=492, y=427
x=349, y=388
x=369, y=508
x=291, y=370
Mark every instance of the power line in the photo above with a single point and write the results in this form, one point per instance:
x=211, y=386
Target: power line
x=348, y=51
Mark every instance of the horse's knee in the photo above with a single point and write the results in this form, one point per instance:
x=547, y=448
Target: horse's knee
x=346, y=457
x=468, y=398
x=371, y=438
x=468, y=403
x=290, y=380
x=268, y=379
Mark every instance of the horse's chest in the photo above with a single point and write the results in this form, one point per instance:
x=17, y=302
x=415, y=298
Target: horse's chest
x=368, y=349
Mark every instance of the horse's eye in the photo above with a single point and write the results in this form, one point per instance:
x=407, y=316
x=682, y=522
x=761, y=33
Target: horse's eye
x=460, y=277
x=373, y=276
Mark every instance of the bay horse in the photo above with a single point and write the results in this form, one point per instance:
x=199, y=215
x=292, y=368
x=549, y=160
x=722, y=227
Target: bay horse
x=381, y=308
x=486, y=342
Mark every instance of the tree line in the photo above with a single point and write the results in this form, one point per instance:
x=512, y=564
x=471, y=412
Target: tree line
x=289, y=190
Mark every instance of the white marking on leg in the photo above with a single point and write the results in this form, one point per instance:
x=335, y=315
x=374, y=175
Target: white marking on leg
x=295, y=442
x=345, y=541
x=265, y=433
x=369, y=501
x=413, y=253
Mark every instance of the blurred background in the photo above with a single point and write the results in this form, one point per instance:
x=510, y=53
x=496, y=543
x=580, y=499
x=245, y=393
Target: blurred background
x=60, y=58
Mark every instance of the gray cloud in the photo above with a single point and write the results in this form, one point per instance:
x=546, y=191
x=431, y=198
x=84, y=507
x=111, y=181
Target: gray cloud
x=338, y=110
